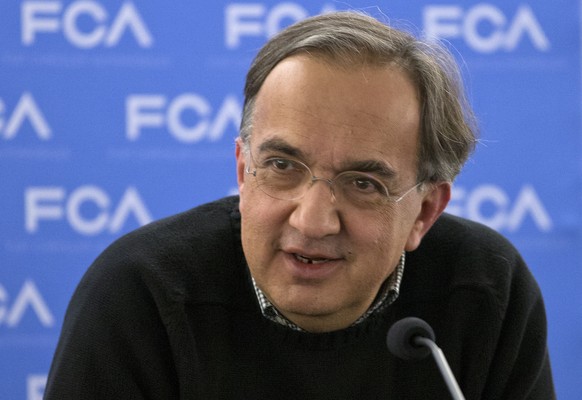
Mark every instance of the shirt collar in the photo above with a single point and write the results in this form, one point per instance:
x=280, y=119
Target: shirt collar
x=387, y=295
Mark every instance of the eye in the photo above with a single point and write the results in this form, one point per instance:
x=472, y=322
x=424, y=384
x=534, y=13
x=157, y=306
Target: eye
x=280, y=164
x=367, y=184
x=359, y=183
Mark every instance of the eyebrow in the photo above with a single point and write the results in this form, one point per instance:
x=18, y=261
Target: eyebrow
x=377, y=167
x=281, y=146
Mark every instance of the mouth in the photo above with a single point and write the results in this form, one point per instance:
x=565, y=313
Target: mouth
x=312, y=266
x=310, y=260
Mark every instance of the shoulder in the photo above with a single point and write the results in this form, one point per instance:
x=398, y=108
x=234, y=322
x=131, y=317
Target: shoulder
x=458, y=240
x=173, y=257
x=194, y=230
x=458, y=254
x=135, y=300
x=473, y=287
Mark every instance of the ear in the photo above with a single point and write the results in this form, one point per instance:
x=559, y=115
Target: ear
x=434, y=202
x=240, y=163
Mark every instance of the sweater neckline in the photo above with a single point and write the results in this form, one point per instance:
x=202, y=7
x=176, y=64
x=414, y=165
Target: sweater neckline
x=348, y=337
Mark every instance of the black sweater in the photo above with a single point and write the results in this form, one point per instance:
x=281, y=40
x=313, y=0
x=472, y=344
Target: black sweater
x=169, y=312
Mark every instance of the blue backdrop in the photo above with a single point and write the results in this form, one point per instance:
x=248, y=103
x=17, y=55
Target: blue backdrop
x=116, y=113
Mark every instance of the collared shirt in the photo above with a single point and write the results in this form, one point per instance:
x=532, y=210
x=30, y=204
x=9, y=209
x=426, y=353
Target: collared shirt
x=387, y=295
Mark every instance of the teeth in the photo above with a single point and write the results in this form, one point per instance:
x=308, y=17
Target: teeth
x=307, y=260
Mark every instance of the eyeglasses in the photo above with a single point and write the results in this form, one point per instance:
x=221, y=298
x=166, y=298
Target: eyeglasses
x=287, y=179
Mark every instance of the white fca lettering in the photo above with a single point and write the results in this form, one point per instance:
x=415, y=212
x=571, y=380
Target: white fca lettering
x=29, y=296
x=35, y=385
x=150, y=111
x=46, y=203
x=451, y=22
x=506, y=216
x=45, y=16
x=26, y=109
x=249, y=20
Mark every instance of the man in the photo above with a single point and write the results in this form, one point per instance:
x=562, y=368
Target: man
x=351, y=136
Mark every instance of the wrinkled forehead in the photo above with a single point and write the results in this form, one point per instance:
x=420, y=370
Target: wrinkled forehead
x=358, y=95
x=339, y=113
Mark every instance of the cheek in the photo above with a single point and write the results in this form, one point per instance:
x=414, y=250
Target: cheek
x=254, y=239
x=258, y=212
x=383, y=237
x=261, y=222
x=383, y=226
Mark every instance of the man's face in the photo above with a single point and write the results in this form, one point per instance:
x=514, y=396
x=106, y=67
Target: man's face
x=319, y=259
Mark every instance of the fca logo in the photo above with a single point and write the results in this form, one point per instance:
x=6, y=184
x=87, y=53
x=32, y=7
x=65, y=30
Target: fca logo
x=254, y=20
x=26, y=110
x=501, y=34
x=52, y=203
x=49, y=17
x=491, y=205
x=154, y=111
x=13, y=310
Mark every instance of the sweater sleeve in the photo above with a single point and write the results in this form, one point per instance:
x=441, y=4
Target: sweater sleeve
x=113, y=344
x=521, y=366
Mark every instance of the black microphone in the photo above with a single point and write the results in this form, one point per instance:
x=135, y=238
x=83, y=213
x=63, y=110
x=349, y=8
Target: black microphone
x=413, y=339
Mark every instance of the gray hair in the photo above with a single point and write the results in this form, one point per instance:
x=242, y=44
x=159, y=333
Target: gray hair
x=348, y=39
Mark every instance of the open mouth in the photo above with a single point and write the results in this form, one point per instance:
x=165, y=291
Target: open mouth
x=308, y=260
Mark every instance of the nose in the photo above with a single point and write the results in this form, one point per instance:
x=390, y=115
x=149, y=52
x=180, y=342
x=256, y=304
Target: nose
x=315, y=214
x=329, y=183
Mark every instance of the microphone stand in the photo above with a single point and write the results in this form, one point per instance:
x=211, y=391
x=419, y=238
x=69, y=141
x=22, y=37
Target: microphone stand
x=443, y=366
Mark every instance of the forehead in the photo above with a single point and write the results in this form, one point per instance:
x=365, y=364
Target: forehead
x=334, y=113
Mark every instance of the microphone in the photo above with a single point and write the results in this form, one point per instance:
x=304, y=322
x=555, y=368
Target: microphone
x=412, y=338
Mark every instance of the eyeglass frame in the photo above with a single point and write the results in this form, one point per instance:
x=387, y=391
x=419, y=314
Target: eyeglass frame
x=313, y=179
